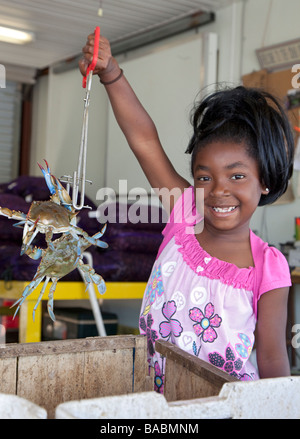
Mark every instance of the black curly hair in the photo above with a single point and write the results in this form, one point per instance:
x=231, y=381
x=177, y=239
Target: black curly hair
x=256, y=118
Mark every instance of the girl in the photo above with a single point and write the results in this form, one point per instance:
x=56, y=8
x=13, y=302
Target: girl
x=209, y=290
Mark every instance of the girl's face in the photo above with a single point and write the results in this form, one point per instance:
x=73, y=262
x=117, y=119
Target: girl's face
x=232, y=188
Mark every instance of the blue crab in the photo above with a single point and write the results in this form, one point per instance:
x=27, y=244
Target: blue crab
x=62, y=255
x=57, y=261
x=54, y=216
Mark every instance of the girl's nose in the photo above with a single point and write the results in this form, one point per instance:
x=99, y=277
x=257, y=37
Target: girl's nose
x=219, y=188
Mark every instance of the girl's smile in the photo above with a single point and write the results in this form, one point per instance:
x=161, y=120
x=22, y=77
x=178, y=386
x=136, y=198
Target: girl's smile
x=223, y=211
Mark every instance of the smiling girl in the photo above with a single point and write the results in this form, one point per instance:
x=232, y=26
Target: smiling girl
x=211, y=289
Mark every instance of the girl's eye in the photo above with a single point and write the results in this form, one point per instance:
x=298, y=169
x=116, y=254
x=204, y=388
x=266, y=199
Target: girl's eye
x=203, y=178
x=237, y=177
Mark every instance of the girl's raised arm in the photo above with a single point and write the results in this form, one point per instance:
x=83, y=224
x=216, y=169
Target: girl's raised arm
x=134, y=121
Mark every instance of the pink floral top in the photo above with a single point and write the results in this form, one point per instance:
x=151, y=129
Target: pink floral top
x=204, y=305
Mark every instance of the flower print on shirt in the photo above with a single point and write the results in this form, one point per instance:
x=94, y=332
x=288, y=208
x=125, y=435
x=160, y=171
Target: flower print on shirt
x=228, y=363
x=170, y=326
x=145, y=326
x=206, y=322
x=244, y=349
x=158, y=379
x=247, y=377
x=155, y=289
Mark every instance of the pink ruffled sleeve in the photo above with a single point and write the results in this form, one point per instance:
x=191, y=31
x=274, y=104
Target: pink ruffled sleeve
x=275, y=272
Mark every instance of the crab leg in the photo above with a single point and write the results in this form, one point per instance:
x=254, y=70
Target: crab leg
x=28, y=236
x=100, y=284
x=91, y=276
x=100, y=233
x=50, y=299
x=48, y=237
x=28, y=290
x=13, y=214
x=93, y=240
x=90, y=240
x=19, y=224
x=40, y=296
x=63, y=195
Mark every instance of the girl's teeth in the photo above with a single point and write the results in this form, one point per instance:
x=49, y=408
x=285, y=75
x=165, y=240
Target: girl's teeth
x=224, y=209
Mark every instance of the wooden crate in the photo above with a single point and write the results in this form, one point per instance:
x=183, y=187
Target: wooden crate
x=49, y=373
x=188, y=377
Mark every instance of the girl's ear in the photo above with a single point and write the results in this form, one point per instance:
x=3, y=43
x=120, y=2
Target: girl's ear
x=265, y=190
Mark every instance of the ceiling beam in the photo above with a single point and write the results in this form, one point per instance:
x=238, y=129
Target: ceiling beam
x=145, y=37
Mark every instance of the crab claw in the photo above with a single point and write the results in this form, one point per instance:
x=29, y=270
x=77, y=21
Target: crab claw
x=64, y=197
x=24, y=248
x=48, y=178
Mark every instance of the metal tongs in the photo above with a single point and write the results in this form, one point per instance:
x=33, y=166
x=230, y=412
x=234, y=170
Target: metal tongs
x=79, y=178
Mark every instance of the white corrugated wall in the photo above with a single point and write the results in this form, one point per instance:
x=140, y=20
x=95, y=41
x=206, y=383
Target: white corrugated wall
x=10, y=101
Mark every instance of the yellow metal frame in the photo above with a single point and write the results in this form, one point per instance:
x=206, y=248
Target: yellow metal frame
x=30, y=331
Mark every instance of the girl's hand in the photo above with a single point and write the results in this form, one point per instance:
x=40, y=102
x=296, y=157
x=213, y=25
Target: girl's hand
x=106, y=66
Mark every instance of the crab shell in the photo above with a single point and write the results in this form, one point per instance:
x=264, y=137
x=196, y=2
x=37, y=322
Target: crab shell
x=49, y=214
x=60, y=260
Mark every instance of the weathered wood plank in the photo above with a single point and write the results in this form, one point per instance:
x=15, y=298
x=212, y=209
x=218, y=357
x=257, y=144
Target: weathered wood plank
x=187, y=376
x=193, y=363
x=48, y=380
x=69, y=346
x=107, y=373
x=140, y=364
x=149, y=383
x=186, y=384
x=8, y=375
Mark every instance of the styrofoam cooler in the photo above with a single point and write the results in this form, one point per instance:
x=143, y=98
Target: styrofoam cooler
x=15, y=407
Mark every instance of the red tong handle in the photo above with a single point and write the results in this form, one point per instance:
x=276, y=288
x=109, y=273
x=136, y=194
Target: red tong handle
x=95, y=56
